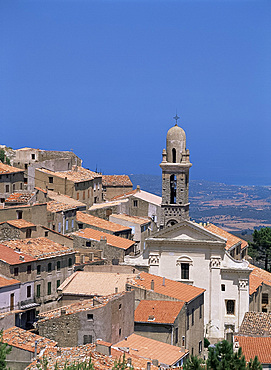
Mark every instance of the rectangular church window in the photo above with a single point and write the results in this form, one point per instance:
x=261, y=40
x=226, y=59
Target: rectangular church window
x=185, y=271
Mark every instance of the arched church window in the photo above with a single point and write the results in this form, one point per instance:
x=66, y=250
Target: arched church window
x=174, y=155
x=173, y=186
x=185, y=262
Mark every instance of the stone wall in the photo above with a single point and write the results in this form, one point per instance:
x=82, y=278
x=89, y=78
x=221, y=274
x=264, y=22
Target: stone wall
x=37, y=214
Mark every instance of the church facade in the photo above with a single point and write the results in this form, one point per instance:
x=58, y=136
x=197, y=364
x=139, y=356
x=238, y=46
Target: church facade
x=185, y=251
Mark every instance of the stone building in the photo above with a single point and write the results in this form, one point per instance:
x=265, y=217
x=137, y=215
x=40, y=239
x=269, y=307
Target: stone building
x=110, y=318
x=21, y=198
x=114, y=185
x=36, y=213
x=79, y=183
x=16, y=229
x=260, y=282
x=175, y=178
x=11, y=180
x=25, y=347
x=188, y=331
x=85, y=220
x=41, y=260
x=104, y=210
x=113, y=248
x=141, y=228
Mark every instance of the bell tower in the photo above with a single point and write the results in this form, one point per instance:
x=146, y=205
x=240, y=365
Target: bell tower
x=175, y=177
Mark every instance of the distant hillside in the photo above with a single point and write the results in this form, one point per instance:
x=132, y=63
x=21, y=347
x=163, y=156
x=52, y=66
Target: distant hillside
x=238, y=209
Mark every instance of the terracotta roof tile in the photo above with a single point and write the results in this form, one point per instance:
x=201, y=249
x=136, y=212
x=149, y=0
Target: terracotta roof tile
x=65, y=199
x=254, y=283
x=116, y=180
x=232, y=240
x=12, y=257
x=172, y=288
x=55, y=206
x=158, y=311
x=256, y=324
x=38, y=247
x=77, y=174
x=6, y=169
x=19, y=224
x=149, y=348
x=133, y=219
x=124, y=195
x=99, y=222
x=19, y=197
x=24, y=339
x=264, y=275
x=255, y=346
x=7, y=282
x=113, y=240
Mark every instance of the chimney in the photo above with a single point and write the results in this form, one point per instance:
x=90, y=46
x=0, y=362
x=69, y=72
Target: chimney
x=155, y=362
x=137, y=188
x=148, y=365
x=164, y=281
x=116, y=289
x=21, y=258
x=152, y=285
x=129, y=361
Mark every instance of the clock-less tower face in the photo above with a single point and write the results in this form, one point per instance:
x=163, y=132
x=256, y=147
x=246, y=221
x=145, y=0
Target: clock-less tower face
x=175, y=178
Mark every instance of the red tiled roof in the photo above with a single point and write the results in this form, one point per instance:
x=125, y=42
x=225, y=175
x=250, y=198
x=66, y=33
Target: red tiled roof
x=255, y=346
x=158, y=311
x=6, y=169
x=40, y=189
x=13, y=257
x=116, y=180
x=113, y=240
x=149, y=348
x=20, y=224
x=77, y=174
x=172, y=288
x=231, y=239
x=264, y=275
x=55, y=206
x=99, y=222
x=6, y=282
x=38, y=247
x=256, y=324
x=133, y=219
x=124, y=195
x=19, y=197
x=254, y=283
x=24, y=339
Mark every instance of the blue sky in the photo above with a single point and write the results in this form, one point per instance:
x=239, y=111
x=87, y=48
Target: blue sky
x=105, y=78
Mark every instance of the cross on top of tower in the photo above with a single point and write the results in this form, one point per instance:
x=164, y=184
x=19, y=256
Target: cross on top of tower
x=176, y=119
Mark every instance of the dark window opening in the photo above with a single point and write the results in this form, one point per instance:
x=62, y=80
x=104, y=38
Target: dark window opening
x=173, y=186
x=16, y=271
x=38, y=291
x=87, y=339
x=29, y=269
x=28, y=233
x=185, y=271
x=230, y=307
x=33, y=156
x=88, y=244
x=223, y=287
x=49, y=288
x=51, y=179
x=174, y=155
x=49, y=267
x=57, y=284
x=19, y=215
x=176, y=335
x=38, y=269
x=264, y=298
x=58, y=265
x=135, y=203
x=90, y=316
x=28, y=291
x=119, y=331
x=70, y=262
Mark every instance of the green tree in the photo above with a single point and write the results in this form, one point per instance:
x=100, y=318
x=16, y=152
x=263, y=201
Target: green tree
x=5, y=349
x=2, y=157
x=222, y=357
x=121, y=364
x=194, y=363
x=260, y=248
x=254, y=364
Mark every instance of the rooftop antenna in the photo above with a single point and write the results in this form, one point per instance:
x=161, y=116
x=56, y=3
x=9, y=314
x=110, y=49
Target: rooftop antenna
x=96, y=169
x=176, y=118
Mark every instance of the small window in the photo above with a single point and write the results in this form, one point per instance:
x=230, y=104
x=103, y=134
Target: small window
x=51, y=180
x=57, y=284
x=29, y=269
x=176, y=335
x=223, y=288
x=33, y=156
x=119, y=331
x=120, y=306
x=230, y=306
x=200, y=346
x=28, y=233
x=28, y=291
x=264, y=298
x=135, y=203
x=38, y=291
x=187, y=320
x=7, y=188
x=88, y=193
x=13, y=187
x=84, y=195
x=46, y=233
x=25, y=166
x=193, y=316
x=200, y=311
x=183, y=341
x=58, y=265
x=59, y=227
x=25, y=180
x=38, y=269
x=72, y=223
x=185, y=271
x=21, y=186
x=49, y=288
x=80, y=226
x=67, y=225
x=70, y=262
x=87, y=339
x=16, y=271
x=90, y=316
x=49, y=267
x=19, y=215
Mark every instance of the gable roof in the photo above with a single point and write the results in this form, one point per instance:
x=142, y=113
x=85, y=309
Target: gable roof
x=162, y=312
x=94, y=283
x=256, y=324
x=166, y=354
x=264, y=275
x=116, y=180
x=6, y=169
x=113, y=240
x=148, y=197
x=100, y=222
x=64, y=199
x=255, y=346
x=19, y=224
x=38, y=247
x=232, y=240
x=133, y=219
x=171, y=288
x=24, y=339
x=77, y=174
x=13, y=257
x=19, y=197
x=7, y=282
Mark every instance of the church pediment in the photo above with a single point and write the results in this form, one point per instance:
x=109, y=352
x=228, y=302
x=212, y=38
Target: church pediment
x=187, y=231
